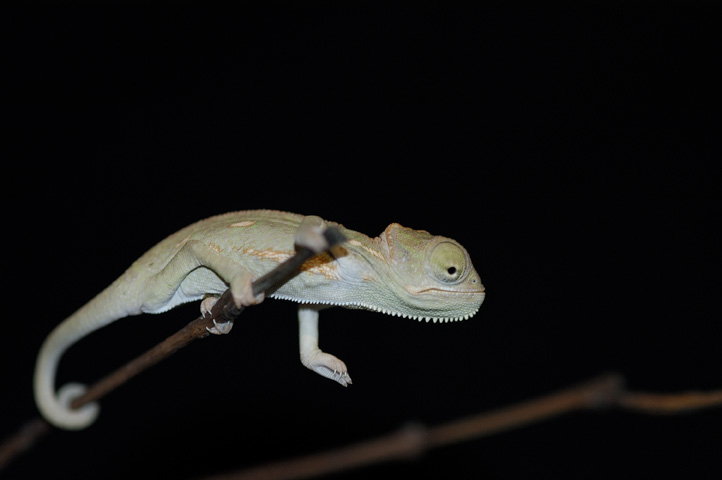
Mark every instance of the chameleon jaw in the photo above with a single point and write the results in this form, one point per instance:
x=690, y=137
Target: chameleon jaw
x=385, y=311
x=419, y=318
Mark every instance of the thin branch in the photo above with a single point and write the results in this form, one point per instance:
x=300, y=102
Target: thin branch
x=670, y=404
x=411, y=441
x=597, y=393
x=28, y=435
x=223, y=311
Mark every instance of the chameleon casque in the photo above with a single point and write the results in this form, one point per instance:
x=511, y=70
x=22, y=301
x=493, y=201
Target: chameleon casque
x=402, y=272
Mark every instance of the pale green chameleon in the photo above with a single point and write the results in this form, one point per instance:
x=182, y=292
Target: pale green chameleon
x=402, y=272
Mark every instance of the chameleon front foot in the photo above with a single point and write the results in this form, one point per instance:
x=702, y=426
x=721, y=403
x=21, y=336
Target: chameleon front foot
x=242, y=290
x=328, y=366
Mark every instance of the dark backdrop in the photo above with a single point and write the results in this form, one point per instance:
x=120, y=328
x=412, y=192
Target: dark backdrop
x=570, y=151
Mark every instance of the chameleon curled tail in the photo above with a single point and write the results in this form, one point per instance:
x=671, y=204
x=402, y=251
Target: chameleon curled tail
x=55, y=407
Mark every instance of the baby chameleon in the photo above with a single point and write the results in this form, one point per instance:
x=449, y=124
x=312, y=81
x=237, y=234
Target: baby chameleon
x=402, y=272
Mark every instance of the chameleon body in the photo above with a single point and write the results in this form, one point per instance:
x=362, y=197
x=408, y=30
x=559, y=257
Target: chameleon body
x=402, y=272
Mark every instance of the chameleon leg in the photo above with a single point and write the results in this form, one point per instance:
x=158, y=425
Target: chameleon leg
x=312, y=357
x=177, y=280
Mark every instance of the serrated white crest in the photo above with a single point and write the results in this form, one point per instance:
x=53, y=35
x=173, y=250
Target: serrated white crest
x=375, y=308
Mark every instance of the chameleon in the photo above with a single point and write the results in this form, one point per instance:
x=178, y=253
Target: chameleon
x=402, y=272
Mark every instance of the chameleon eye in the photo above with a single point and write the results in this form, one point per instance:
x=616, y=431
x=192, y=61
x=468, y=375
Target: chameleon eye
x=448, y=262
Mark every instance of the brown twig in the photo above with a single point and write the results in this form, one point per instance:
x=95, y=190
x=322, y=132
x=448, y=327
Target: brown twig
x=410, y=441
x=604, y=392
x=669, y=404
x=223, y=311
x=28, y=435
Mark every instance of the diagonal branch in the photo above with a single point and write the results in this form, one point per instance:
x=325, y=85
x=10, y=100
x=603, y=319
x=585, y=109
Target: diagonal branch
x=223, y=311
x=411, y=441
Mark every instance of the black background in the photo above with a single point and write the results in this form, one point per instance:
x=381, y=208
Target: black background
x=570, y=151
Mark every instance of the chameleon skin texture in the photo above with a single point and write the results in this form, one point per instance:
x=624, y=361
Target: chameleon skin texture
x=402, y=272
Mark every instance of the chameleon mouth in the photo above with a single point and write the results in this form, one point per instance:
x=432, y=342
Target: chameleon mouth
x=476, y=291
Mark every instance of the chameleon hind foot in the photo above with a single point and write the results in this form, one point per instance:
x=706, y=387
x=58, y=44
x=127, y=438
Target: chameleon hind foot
x=217, y=328
x=220, y=328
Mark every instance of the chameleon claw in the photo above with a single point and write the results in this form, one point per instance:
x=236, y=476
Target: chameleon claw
x=207, y=305
x=220, y=328
x=341, y=377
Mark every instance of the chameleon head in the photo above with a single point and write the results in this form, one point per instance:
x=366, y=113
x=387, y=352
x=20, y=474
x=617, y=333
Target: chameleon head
x=432, y=277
